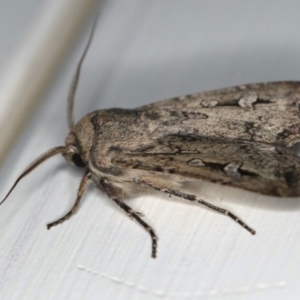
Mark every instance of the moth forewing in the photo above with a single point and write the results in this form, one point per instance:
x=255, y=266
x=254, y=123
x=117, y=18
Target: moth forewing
x=241, y=137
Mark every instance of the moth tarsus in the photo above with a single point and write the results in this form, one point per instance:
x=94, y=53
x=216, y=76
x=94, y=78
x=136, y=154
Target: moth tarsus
x=236, y=137
x=81, y=190
x=137, y=217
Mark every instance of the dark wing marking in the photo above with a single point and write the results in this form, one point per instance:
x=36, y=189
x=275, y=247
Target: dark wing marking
x=257, y=167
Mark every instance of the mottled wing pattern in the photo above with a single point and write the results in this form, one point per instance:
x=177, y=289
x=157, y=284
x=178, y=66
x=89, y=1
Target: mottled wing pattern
x=241, y=137
x=267, y=113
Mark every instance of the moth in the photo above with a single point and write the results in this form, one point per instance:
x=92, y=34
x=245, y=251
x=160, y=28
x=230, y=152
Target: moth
x=242, y=137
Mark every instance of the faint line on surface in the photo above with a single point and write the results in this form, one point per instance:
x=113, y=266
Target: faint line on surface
x=263, y=286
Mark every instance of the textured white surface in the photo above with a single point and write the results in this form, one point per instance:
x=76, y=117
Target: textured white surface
x=145, y=51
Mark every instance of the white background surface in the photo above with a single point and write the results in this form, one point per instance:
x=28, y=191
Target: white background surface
x=146, y=51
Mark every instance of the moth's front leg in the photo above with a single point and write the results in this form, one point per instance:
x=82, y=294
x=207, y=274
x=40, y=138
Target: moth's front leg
x=81, y=190
x=117, y=195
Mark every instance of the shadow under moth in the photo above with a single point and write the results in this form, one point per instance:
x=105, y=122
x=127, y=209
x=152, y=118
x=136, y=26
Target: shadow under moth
x=242, y=137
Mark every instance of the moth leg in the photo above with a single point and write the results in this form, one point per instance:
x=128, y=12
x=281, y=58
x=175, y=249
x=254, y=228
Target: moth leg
x=193, y=198
x=135, y=216
x=138, y=213
x=116, y=195
x=82, y=187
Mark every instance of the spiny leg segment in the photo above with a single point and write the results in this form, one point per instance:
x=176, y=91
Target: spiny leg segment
x=133, y=214
x=193, y=198
x=82, y=187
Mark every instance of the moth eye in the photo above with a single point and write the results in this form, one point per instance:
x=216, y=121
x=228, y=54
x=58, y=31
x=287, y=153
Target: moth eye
x=77, y=160
x=296, y=148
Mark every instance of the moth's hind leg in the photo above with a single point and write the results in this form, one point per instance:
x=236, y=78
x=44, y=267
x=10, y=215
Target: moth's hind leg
x=193, y=198
x=82, y=187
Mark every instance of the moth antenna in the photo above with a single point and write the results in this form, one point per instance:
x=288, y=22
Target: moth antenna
x=74, y=84
x=35, y=163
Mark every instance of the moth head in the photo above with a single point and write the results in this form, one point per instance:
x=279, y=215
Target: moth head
x=72, y=153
